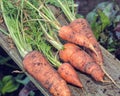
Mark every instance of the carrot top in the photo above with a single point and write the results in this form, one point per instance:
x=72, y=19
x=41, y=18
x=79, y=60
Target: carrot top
x=13, y=18
x=14, y=28
x=45, y=33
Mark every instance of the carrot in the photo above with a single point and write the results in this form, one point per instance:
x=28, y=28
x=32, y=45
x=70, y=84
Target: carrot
x=81, y=26
x=79, y=32
x=81, y=61
x=36, y=64
x=68, y=73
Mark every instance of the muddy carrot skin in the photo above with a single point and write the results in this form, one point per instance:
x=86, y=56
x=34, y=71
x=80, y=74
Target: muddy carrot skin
x=67, y=33
x=79, y=32
x=36, y=65
x=81, y=61
x=81, y=25
x=68, y=73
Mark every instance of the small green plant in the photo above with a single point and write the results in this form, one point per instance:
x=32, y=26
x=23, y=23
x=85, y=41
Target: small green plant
x=103, y=20
x=4, y=61
x=8, y=84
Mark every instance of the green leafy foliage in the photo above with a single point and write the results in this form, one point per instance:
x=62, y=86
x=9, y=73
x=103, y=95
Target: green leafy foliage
x=55, y=3
x=3, y=60
x=117, y=19
x=23, y=81
x=103, y=19
x=99, y=26
x=8, y=84
x=67, y=6
x=99, y=21
x=36, y=36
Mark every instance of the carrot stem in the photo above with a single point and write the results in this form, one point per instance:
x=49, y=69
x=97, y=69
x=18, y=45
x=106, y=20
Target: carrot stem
x=14, y=30
x=47, y=15
x=66, y=10
x=56, y=44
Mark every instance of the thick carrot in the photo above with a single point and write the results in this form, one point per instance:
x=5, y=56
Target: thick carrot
x=81, y=61
x=68, y=73
x=36, y=64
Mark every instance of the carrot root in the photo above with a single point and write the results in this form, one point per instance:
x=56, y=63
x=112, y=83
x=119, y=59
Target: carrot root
x=68, y=73
x=37, y=65
x=113, y=81
x=81, y=61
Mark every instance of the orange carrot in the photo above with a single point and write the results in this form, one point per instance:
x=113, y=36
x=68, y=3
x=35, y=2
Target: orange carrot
x=79, y=32
x=81, y=61
x=36, y=64
x=81, y=26
x=68, y=73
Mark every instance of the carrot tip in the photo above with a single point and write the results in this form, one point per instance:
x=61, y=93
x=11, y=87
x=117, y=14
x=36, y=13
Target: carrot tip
x=105, y=81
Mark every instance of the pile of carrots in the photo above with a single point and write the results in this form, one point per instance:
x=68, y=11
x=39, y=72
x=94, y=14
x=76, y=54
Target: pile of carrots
x=77, y=57
x=76, y=34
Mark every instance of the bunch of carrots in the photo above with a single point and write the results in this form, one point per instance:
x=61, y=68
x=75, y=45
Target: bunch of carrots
x=34, y=62
x=77, y=33
x=38, y=60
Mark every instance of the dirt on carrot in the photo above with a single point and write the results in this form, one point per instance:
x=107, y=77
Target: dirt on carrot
x=82, y=26
x=79, y=32
x=68, y=73
x=36, y=65
x=67, y=33
x=81, y=61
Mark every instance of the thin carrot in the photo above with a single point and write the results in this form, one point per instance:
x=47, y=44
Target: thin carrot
x=81, y=61
x=36, y=64
x=68, y=73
